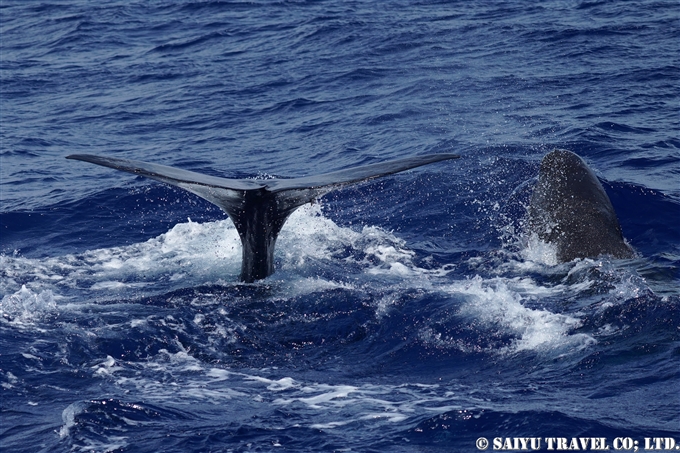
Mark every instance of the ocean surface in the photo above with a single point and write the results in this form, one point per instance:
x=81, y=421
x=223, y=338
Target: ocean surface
x=411, y=313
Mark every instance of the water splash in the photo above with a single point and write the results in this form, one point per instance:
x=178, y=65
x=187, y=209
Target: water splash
x=28, y=306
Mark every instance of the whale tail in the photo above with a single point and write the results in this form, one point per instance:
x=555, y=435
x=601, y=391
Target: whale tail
x=259, y=208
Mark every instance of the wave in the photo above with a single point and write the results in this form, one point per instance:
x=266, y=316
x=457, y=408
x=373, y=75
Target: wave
x=196, y=265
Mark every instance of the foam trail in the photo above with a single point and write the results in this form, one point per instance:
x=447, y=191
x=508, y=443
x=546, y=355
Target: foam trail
x=498, y=306
x=197, y=382
x=197, y=253
x=187, y=252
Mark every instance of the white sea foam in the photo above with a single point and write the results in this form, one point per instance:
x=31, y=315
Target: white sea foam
x=180, y=379
x=308, y=236
x=108, y=366
x=192, y=253
x=205, y=252
x=26, y=305
x=68, y=416
x=496, y=304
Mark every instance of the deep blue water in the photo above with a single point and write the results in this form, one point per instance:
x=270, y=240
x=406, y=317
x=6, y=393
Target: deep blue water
x=407, y=314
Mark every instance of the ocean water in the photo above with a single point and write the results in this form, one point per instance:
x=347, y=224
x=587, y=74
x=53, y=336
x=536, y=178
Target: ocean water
x=408, y=314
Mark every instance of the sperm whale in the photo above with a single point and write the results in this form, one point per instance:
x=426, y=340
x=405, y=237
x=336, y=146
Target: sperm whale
x=570, y=209
x=259, y=208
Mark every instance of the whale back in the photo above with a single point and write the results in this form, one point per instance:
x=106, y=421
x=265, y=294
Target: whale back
x=570, y=209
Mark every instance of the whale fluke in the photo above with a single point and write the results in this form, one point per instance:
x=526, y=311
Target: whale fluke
x=259, y=208
x=570, y=209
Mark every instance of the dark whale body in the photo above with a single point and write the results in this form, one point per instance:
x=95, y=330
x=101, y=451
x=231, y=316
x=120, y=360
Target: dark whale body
x=570, y=209
x=259, y=208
